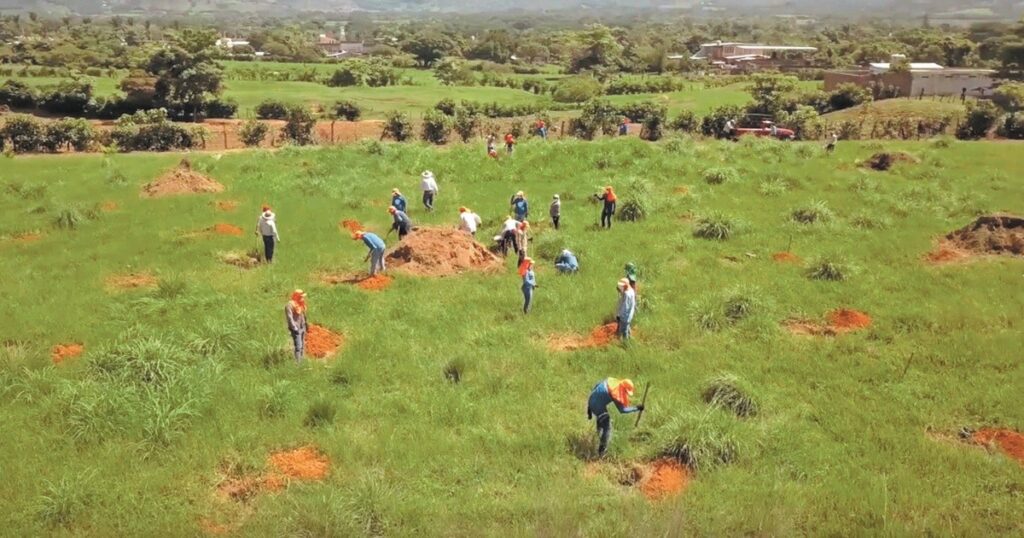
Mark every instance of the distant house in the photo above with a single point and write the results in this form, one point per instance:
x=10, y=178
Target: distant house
x=230, y=42
x=916, y=79
x=754, y=57
x=334, y=48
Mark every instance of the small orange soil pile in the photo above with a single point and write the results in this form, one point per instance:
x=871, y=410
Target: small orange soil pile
x=441, y=252
x=842, y=320
x=361, y=281
x=884, y=161
x=63, y=352
x=180, y=180
x=131, y=281
x=666, y=477
x=108, y=206
x=682, y=189
x=1000, y=233
x=322, y=343
x=786, y=257
x=375, y=283
x=352, y=226
x=1009, y=441
x=226, y=205
x=226, y=229
x=601, y=336
x=304, y=463
x=946, y=253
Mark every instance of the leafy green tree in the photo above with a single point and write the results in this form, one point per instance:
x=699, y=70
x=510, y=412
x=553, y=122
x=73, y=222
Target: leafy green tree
x=430, y=46
x=186, y=73
x=577, y=89
x=495, y=46
x=452, y=72
x=600, y=50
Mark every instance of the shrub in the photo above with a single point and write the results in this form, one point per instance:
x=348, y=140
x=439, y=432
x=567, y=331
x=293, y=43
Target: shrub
x=24, y=133
x=577, y=89
x=320, y=413
x=630, y=85
x=815, y=212
x=1012, y=127
x=298, y=127
x=466, y=124
x=828, y=270
x=446, y=106
x=650, y=114
x=17, y=95
x=157, y=136
x=271, y=110
x=67, y=98
x=436, y=127
x=805, y=122
x=397, y=126
x=981, y=117
x=72, y=132
x=720, y=175
x=253, y=132
x=728, y=392
x=699, y=442
x=715, y=226
x=375, y=72
x=714, y=123
x=598, y=115
x=848, y=96
x=347, y=110
x=220, y=108
x=685, y=122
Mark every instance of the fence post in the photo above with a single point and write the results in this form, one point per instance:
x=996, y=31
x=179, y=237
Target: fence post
x=224, y=131
x=332, y=131
x=561, y=130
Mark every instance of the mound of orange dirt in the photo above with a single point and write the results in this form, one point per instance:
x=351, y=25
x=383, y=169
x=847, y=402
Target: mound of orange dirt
x=226, y=229
x=666, y=477
x=352, y=226
x=846, y=320
x=601, y=336
x=226, y=205
x=1009, y=441
x=441, y=252
x=375, y=283
x=321, y=342
x=786, y=257
x=304, y=463
x=991, y=234
x=181, y=180
x=131, y=281
x=63, y=352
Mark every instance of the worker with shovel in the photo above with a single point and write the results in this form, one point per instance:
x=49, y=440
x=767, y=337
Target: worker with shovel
x=266, y=227
x=376, y=254
x=295, y=315
x=608, y=391
x=402, y=222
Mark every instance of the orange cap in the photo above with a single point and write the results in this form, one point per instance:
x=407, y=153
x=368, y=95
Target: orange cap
x=266, y=207
x=463, y=209
x=358, y=235
x=392, y=209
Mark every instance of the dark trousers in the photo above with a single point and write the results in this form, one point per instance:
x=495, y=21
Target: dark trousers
x=604, y=432
x=508, y=239
x=555, y=219
x=402, y=232
x=428, y=200
x=606, y=218
x=268, y=247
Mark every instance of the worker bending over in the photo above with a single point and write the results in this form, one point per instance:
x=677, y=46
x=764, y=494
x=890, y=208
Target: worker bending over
x=608, y=391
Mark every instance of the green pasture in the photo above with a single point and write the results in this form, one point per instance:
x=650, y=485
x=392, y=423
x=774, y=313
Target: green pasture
x=188, y=382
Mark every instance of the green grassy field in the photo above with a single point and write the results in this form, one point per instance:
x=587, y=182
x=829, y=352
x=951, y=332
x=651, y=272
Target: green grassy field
x=180, y=383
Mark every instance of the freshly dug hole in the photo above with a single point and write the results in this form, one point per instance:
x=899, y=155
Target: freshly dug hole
x=63, y=352
x=304, y=463
x=1009, y=442
x=180, y=180
x=602, y=336
x=441, y=252
x=885, y=160
x=665, y=477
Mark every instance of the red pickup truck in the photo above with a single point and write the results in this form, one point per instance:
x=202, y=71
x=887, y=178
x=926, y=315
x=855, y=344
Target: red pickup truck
x=780, y=133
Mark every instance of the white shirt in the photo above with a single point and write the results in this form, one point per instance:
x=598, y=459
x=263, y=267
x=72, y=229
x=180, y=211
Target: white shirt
x=510, y=225
x=470, y=221
x=428, y=184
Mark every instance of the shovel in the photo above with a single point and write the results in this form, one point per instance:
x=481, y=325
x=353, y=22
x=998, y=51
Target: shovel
x=643, y=402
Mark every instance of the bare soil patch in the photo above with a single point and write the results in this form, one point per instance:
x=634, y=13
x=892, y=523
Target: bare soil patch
x=108, y=206
x=439, y=252
x=946, y=253
x=226, y=205
x=885, y=160
x=999, y=233
x=242, y=260
x=180, y=180
x=303, y=463
x=601, y=336
x=26, y=237
x=786, y=257
x=321, y=343
x=1009, y=442
x=131, y=281
x=63, y=352
x=226, y=229
x=839, y=321
x=666, y=477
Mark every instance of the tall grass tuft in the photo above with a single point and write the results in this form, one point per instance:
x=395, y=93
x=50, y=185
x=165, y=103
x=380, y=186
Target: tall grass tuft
x=320, y=413
x=720, y=311
x=773, y=186
x=830, y=270
x=701, y=442
x=720, y=175
x=716, y=227
x=815, y=212
x=68, y=218
x=62, y=501
x=453, y=371
x=273, y=400
x=729, y=392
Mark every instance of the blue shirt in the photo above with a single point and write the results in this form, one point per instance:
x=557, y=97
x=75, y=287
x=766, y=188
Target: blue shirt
x=600, y=398
x=398, y=202
x=373, y=241
x=401, y=219
x=529, y=281
x=521, y=207
x=627, y=305
x=569, y=260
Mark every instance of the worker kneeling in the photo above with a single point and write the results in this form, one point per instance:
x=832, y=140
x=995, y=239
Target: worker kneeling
x=608, y=391
x=566, y=262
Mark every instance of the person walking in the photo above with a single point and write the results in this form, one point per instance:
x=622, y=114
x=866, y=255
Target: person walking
x=376, y=253
x=730, y=129
x=608, y=209
x=566, y=262
x=492, y=146
x=522, y=239
x=509, y=232
x=401, y=222
x=529, y=283
x=624, y=127
x=556, y=211
x=542, y=129
x=832, y=141
x=266, y=227
x=397, y=200
x=607, y=391
x=469, y=221
x=510, y=143
x=295, y=315
x=428, y=185
x=626, y=309
x=520, y=207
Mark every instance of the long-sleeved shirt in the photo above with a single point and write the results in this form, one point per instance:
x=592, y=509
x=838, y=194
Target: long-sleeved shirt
x=529, y=280
x=469, y=222
x=609, y=202
x=401, y=220
x=267, y=225
x=521, y=207
x=398, y=202
x=600, y=398
x=429, y=184
x=373, y=241
x=627, y=305
x=556, y=208
x=569, y=260
x=510, y=225
x=296, y=320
